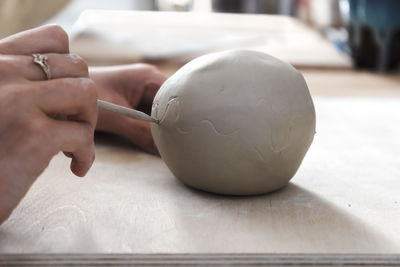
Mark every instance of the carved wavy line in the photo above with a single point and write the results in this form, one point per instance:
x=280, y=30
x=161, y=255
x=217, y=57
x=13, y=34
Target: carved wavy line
x=172, y=98
x=183, y=131
x=217, y=131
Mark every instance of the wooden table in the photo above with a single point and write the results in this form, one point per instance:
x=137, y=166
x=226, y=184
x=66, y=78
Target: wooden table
x=345, y=198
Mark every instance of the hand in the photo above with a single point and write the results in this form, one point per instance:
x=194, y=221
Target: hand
x=132, y=86
x=29, y=134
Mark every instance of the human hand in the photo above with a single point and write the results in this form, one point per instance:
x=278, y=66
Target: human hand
x=29, y=134
x=132, y=86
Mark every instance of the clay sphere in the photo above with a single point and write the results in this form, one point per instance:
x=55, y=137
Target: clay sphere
x=236, y=122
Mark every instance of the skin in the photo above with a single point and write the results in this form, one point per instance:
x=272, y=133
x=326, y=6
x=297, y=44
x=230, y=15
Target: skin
x=30, y=134
x=133, y=86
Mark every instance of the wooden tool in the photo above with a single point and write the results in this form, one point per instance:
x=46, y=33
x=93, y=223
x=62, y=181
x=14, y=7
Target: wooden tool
x=131, y=113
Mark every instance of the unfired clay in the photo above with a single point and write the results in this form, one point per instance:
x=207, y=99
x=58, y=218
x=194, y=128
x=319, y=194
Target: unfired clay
x=236, y=122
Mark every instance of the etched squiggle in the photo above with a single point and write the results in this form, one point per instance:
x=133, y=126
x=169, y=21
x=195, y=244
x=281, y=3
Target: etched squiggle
x=218, y=131
x=170, y=100
x=180, y=130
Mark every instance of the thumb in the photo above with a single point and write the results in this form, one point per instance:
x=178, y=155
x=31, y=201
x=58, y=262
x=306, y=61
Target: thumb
x=139, y=133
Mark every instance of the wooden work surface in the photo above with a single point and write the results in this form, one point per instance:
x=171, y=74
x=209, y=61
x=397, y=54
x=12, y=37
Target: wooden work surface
x=345, y=198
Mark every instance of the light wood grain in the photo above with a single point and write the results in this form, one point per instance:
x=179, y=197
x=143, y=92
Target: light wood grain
x=343, y=199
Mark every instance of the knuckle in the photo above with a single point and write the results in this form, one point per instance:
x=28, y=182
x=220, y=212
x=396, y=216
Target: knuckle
x=155, y=76
x=89, y=89
x=59, y=32
x=149, y=68
x=80, y=63
x=60, y=35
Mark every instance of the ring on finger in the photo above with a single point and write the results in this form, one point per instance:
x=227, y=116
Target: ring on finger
x=43, y=62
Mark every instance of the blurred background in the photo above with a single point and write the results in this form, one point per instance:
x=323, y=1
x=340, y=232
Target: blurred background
x=308, y=33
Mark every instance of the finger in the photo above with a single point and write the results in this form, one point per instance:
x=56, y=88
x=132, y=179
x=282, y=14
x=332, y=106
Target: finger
x=76, y=140
x=154, y=80
x=146, y=101
x=138, y=132
x=45, y=39
x=72, y=97
x=61, y=66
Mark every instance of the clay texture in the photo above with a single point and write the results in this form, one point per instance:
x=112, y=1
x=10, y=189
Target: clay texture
x=236, y=122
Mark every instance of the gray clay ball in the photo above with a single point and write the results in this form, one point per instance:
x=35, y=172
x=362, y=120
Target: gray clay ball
x=236, y=122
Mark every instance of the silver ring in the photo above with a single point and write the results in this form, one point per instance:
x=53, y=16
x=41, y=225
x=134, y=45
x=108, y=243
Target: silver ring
x=43, y=62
